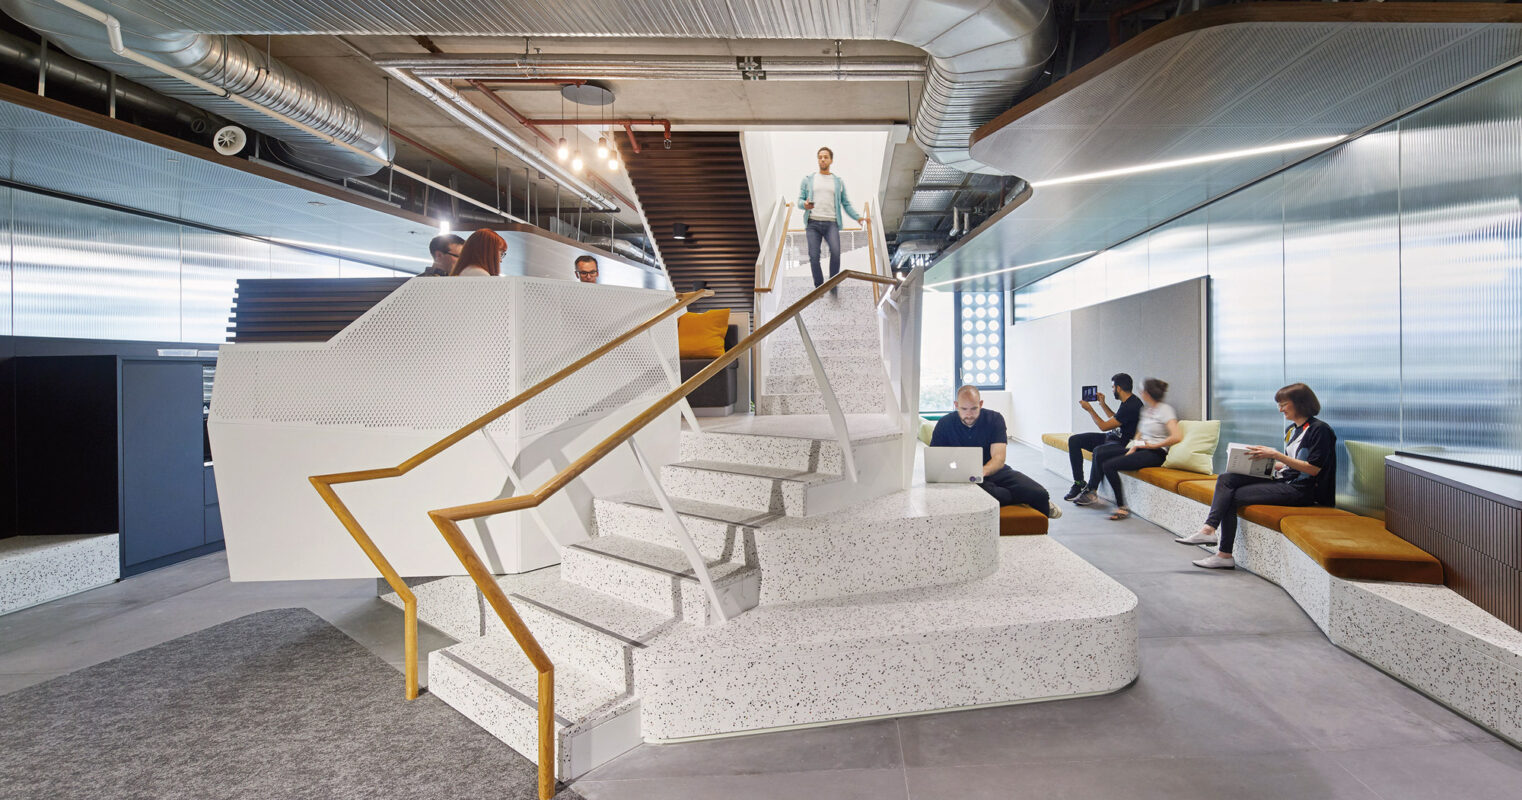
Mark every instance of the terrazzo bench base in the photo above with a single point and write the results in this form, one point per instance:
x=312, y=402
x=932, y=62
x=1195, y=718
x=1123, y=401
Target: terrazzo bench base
x=1427, y=636
x=36, y=569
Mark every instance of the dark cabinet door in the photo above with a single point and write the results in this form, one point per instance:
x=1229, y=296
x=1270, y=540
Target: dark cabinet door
x=163, y=496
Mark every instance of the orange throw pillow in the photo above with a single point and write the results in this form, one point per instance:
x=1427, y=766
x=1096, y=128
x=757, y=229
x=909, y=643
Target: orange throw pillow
x=701, y=335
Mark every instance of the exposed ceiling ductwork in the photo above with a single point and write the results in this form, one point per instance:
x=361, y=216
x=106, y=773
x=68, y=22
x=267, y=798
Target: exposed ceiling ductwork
x=227, y=62
x=982, y=52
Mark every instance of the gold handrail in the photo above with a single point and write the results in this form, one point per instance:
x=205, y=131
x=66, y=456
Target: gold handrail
x=448, y=520
x=777, y=262
x=324, y=483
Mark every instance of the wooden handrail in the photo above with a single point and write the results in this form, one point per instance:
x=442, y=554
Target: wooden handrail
x=781, y=243
x=478, y=572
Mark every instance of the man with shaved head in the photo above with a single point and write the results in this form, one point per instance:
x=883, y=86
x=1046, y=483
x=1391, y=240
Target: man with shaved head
x=971, y=425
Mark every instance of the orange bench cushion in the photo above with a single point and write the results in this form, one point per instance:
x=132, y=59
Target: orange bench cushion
x=1200, y=491
x=1021, y=520
x=1170, y=478
x=1273, y=516
x=1057, y=440
x=1359, y=548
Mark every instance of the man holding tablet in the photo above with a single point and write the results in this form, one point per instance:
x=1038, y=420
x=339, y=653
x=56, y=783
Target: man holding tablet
x=970, y=425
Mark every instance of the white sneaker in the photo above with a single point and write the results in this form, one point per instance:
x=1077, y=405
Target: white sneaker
x=1215, y=561
x=1052, y=511
x=1199, y=538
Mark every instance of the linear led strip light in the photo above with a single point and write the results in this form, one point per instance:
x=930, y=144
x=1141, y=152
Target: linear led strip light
x=1012, y=269
x=1189, y=162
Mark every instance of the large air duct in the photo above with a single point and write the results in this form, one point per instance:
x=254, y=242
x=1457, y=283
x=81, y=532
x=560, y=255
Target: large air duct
x=982, y=52
x=227, y=62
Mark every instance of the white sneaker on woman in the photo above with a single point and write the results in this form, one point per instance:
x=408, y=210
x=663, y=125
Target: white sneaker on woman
x=1200, y=538
x=1215, y=561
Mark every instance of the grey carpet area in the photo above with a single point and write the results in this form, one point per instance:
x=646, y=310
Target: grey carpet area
x=278, y=704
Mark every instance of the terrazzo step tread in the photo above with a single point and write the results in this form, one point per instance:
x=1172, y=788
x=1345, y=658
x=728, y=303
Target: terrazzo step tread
x=825, y=329
x=491, y=682
x=587, y=629
x=813, y=403
x=720, y=532
x=668, y=561
x=696, y=509
x=744, y=485
x=863, y=428
x=826, y=348
x=784, y=452
x=806, y=383
x=653, y=576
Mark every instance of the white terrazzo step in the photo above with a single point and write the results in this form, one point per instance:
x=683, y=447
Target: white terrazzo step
x=792, y=347
x=781, y=452
x=721, y=533
x=825, y=328
x=849, y=290
x=772, y=489
x=36, y=569
x=870, y=378
x=654, y=577
x=492, y=683
x=1045, y=625
x=588, y=630
x=813, y=403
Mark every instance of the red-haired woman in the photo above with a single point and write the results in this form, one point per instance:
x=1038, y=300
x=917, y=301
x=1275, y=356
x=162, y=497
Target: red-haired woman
x=481, y=255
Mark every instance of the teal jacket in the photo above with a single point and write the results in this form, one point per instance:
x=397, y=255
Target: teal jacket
x=842, y=203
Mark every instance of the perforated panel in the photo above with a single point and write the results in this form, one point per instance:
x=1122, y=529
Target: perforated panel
x=436, y=354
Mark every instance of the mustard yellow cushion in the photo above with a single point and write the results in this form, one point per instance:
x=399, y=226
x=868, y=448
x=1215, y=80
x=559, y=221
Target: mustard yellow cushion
x=1359, y=548
x=1021, y=521
x=1169, y=479
x=927, y=429
x=1200, y=491
x=1274, y=516
x=701, y=335
x=1195, y=452
x=1057, y=440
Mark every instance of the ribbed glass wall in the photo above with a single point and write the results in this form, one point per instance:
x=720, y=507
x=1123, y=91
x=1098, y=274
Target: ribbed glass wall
x=79, y=271
x=1385, y=273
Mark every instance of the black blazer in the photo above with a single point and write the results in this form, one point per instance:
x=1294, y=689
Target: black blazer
x=1319, y=448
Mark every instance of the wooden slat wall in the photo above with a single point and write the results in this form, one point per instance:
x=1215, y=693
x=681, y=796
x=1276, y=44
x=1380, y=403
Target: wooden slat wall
x=303, y=309
x=700, y=181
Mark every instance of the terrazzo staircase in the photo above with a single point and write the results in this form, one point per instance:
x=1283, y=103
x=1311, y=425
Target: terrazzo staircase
x=844, y=330
x=615, y=593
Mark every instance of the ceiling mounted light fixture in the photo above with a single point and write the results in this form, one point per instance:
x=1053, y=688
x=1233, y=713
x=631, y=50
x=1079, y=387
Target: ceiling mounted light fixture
x=679, y=230
x=1189, y=162
x=613, y=164
x=602, y=147
x=1084, y=254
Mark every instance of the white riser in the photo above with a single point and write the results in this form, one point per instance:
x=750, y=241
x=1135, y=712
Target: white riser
x=569, y=643
x=715, y=539
x=836, y=367
x=805, y=383
x=783, y=452
x=850, y=403
x=631, y=583
x=732, y=489
x=793, y=347
x=593, y=725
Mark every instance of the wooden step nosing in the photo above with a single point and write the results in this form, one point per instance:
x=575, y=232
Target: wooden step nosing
x=494, y=681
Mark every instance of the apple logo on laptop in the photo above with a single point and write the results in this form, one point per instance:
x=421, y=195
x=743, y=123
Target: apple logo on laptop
x=953, y=465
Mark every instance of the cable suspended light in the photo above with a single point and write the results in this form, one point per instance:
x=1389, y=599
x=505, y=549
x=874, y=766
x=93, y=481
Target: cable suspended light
x=613, y=164
x=602, y=147
x=563, y=152
x=576, y=163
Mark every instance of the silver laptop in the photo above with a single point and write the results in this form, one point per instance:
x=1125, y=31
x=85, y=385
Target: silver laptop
x=953, y=465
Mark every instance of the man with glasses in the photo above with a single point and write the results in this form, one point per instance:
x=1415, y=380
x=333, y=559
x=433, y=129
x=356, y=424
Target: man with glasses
x=444, y=249
x=586, y=269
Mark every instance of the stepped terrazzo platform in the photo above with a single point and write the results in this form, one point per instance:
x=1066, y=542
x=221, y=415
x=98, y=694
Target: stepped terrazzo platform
x=36, y=569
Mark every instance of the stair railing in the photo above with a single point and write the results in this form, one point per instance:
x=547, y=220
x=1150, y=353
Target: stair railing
x=324, y=483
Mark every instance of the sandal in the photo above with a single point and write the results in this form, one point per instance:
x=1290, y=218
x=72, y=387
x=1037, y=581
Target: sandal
x=1121, y=513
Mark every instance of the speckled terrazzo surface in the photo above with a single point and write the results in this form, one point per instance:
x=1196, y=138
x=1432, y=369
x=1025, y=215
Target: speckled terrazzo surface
x=36, y=569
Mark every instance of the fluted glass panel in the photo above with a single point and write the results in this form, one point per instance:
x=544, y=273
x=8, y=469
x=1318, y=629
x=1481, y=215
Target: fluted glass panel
x=1126, y=269
x=1247, y=313
x=1176, y=251
x=213, y=263
x=288, y=262
x=1461, y=277
x=85, y=272
x=1342, y=299
x=5, y=260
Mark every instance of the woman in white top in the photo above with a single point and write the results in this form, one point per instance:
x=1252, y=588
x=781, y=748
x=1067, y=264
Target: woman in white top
x=481, y=255
x=1156, y=431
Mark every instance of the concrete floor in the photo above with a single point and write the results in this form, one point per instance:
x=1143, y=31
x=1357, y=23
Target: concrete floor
x=1239, y=696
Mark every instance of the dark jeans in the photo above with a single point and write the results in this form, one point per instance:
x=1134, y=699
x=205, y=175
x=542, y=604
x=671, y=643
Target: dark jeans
x=827, y=230
x=1012, y=488
x=1102, y=456
x=1141, y=459
x=1232, y=491
x=1079, y=442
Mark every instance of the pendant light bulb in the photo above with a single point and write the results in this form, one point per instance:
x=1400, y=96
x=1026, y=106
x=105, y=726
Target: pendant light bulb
x=613, y=164
x=577, y=163
x=602, y=147
x=563, y=151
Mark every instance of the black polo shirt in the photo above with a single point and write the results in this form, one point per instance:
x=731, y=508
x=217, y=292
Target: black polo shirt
x=1128, y=415
x=987, y=431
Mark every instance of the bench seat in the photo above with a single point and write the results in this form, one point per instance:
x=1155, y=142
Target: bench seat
x=1359, y=548
x=1021, y=520
x=1166, y=478
x=1057, y=440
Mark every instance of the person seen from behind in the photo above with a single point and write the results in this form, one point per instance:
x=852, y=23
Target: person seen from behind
x=444, y=249
x=481, y=255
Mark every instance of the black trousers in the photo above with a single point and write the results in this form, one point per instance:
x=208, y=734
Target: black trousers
x=1232, y=491
x=1102, y=456
x=1115, y=465
x=1012, y=488
x=1079, y=442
